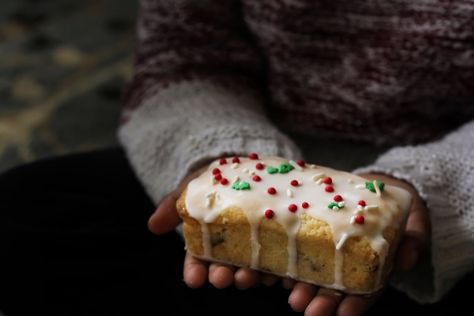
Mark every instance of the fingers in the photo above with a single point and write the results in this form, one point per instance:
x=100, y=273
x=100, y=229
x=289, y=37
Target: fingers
x=301, y=296
x=268, y=279
x=220, y=275
x=415, y=240
x=288, y=283
x=356, y=305
x=194, y=272
x=418, y=219
x=245, y=278
x=166, y=217
x=409, y=252
x=325, y=303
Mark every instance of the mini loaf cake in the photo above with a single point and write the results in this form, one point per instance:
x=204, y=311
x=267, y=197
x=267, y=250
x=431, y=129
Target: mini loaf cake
x=308, y=222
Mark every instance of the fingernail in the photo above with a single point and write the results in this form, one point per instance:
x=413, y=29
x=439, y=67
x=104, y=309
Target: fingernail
x=290, y=299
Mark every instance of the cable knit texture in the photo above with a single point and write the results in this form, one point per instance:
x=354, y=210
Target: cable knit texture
x=443, y=174
x=209, y=73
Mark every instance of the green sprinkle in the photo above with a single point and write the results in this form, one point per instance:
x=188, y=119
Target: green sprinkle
x=370, y=186
x=272, y=170
x=285, y=168
x=332, y=205
x=241, y=185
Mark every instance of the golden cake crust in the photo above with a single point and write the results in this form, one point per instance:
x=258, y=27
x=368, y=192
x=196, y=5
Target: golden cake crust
x=230, y=243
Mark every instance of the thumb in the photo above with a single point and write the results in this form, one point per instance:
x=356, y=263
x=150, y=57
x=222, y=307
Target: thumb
x=415, y=241
x=411, y=248
x=166, y=217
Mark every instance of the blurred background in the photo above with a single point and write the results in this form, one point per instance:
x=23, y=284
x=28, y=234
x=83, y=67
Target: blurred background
x=63, y=65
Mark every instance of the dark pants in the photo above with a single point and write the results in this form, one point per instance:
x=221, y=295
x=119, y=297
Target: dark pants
x=74, y=241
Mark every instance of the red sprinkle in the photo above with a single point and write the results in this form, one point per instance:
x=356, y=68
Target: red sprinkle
x=300, y=162
x=327, y=180
x=362, y=203
x=338, y=198
x=253, y=156
x=224, y=181
x=359, y=219
x=294, y=183
x=235, y=160
x=292, y=208
x=271, y=190
x=256, y=178
x=329, y=188
x=304, y=205
x=269, y=214
x=259, y=166
x=222, y=161
x=218, y=177
x=216, y=171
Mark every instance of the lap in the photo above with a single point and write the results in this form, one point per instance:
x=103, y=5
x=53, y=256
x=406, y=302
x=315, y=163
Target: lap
x=64, y=194
x=73, y=234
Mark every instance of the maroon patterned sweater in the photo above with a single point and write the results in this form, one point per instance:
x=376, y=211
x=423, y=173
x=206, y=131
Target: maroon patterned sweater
x=402, y=70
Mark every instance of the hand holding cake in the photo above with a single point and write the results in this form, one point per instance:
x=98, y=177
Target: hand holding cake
x=307, y=222
x=291, y=219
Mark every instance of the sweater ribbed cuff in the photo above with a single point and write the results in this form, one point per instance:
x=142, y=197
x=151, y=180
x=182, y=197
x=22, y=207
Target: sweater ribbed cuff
x=189, y=123
x=450, y=256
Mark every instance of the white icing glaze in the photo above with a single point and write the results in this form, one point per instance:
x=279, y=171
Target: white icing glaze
x=381, y=246
x=206, y=239
x=292, y=227
x=338, y=269
x=254, y=244
x=388, y=208
x=376, y=187
x=341, y=241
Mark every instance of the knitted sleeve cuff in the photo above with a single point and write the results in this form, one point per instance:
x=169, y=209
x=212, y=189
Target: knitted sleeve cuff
x=188, y=123
x=443, y=174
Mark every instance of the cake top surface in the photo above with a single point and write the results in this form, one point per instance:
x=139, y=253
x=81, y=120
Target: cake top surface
x=279, y=189
x=273, y=188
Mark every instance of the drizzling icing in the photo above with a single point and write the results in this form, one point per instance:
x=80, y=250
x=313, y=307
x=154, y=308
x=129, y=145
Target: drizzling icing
x=282, y=186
